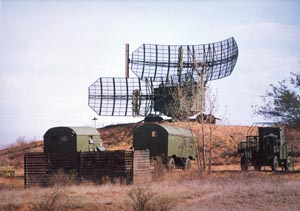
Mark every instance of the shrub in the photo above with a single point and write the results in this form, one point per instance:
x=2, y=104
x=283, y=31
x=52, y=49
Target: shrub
x=10, y=207
x=61, y=178
x=54, y=200
x=144, y=198
x=159, y=168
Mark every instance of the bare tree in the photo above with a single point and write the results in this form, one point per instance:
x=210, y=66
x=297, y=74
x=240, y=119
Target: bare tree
x=208, y=127
x=188, y=94
x=211, y=107
x=180, y=107
x=205, y=140
x=182, y=100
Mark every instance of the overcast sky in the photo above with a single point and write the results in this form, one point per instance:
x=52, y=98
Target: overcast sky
x=51, y=51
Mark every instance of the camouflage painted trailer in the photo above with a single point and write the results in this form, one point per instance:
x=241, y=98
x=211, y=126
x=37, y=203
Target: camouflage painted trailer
x=72, y=139
x=174, y=144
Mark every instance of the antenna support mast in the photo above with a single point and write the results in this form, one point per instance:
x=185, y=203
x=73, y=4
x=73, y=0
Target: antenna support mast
x=127, y=60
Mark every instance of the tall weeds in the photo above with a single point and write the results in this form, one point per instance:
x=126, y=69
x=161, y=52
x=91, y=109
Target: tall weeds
x=144, y=198
x=55, y=200
x=176, y=191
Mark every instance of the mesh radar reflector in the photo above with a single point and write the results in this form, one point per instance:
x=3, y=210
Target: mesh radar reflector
x=121, y=96
x=112, y=96
x=219, y=58
x=167, y=75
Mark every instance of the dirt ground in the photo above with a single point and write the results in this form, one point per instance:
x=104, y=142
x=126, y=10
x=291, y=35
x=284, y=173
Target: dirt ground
x=224, y=189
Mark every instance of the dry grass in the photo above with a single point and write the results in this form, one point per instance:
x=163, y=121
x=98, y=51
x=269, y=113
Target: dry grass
x=146, y=198
x=53, y=200
x=226, y=188
x=182, y=190
x=245, y=191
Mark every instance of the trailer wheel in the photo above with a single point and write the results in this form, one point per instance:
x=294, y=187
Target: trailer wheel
x=274, y=164
x=244, y=163
x=188, y=164
x=257, y=167
x=171, y=164
x=287, y=164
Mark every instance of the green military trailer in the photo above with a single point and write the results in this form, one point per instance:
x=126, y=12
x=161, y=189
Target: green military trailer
x=266, y=148
x=72, y=139
x=174, y=145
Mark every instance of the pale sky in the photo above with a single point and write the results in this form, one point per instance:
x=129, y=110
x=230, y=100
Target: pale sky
x=52, y=51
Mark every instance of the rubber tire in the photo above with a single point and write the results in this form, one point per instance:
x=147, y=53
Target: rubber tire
x=244, y=163
x=274, y=165
x=171, y=164
x=188, y=164
x=257, y=167
x=287, y=164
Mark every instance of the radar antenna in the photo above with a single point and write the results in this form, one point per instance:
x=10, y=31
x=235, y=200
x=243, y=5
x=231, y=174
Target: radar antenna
x=161, y=71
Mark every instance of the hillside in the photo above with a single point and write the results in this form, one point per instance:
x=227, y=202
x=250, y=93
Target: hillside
x=14, y=154
x=224, y=140
x=224, y=137
x=118, y=136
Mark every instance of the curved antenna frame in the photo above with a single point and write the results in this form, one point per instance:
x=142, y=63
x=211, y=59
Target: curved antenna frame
x=109, y=96
x=121, y=96
x=163, y=70
x=219, y=59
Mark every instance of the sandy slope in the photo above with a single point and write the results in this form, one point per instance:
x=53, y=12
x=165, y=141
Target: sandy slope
x=224, y=140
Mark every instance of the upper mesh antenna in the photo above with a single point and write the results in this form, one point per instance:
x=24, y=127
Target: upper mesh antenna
x=151, y=60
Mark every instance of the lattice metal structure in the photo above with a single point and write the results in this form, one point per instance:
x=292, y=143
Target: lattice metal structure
x=219, y=59
x=161, y=71
x=86, y=166
x=114, y=96
x=110, y=96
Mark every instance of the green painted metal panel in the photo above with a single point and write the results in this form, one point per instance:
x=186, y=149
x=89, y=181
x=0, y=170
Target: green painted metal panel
x=151, y=137
x=85, y=131
x=164, y=140
x=59, y=139
x=71, y=139
x=87, y=144
x=181, y=146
